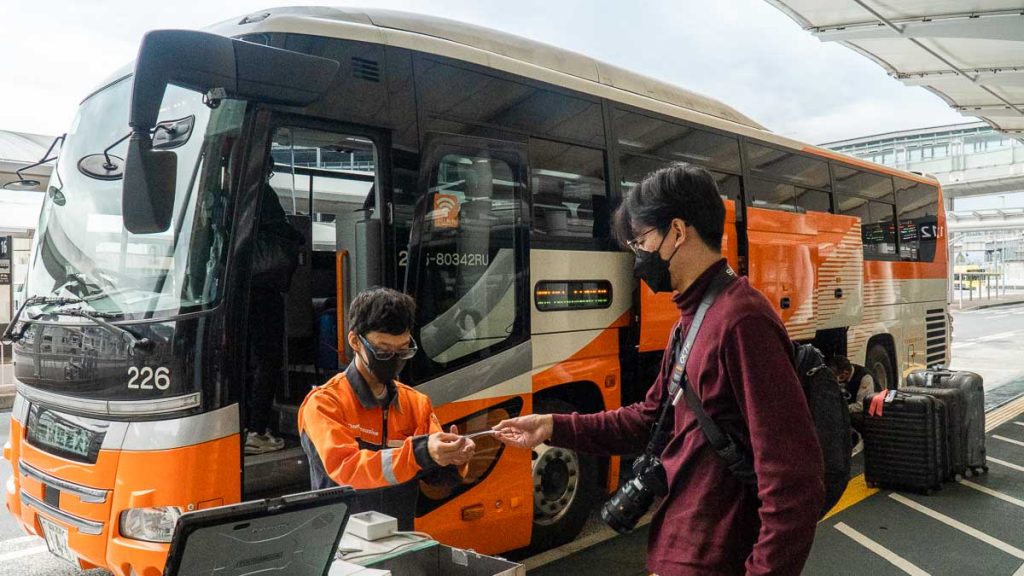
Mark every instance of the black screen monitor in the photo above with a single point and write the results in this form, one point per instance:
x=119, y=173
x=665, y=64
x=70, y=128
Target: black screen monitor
x=294, y=535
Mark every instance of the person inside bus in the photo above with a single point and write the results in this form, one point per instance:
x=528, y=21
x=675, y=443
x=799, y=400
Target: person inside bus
x=741, y=369
x=857, y=383
x=275, y=259
x=365, y=429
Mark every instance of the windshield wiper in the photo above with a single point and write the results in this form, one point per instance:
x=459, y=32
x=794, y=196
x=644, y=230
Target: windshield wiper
x=134, y=341
x=10, y=335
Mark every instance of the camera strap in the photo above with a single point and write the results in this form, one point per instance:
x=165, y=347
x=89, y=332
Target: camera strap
x=661, y=430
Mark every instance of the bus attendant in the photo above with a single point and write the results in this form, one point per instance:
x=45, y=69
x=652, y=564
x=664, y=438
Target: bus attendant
x=741, y=369
x=365, y=429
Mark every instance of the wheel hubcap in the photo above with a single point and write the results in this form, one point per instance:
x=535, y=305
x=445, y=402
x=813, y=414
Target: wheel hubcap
x=556, y=479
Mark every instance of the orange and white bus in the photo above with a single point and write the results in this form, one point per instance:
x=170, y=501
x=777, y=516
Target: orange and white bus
x=475, y=170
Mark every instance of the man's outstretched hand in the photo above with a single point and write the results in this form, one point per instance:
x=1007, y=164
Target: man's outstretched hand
x=525, y=431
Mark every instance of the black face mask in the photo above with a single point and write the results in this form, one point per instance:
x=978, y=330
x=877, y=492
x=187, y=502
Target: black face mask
x=650, y=268
x=385, y=371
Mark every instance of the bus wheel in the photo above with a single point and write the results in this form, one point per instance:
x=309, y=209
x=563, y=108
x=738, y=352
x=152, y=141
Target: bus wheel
x=879, y=365
x=565, y=488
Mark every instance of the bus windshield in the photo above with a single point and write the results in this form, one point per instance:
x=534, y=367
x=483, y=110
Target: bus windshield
x=82, y=249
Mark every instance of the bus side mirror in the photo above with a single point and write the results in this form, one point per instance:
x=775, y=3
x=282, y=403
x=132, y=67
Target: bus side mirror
x=149, y=182
x=217, y=67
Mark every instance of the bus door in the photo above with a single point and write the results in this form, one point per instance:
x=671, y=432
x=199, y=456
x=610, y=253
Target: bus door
x=326, y=178
x=468, y=272
x=330, y=177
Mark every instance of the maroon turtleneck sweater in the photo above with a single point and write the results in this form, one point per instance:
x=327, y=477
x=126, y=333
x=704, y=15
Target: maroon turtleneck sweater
x=741, y=368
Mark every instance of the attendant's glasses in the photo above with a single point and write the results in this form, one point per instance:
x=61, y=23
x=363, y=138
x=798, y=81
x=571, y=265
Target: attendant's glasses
x=387, y=354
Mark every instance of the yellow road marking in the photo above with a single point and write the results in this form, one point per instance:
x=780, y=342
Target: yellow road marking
x=1004, y=414
x=856, y=491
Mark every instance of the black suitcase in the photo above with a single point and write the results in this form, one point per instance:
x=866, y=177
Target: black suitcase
x=972, y=386
x=905, y=441
x=956, y=428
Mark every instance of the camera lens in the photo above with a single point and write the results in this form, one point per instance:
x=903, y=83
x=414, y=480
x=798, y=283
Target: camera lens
x=625, y=508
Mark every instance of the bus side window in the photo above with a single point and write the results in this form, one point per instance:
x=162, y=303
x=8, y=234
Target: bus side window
x=917, y=207
x=570, y=198
x=634, y=168
x=877, y=225
x=799, y=169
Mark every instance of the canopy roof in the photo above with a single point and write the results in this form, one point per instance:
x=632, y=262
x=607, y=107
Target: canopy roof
x=21, y=147
x=969, y=52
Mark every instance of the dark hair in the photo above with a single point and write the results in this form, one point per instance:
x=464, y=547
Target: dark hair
x=381, y=310
x=681, y=190
x=839, y=363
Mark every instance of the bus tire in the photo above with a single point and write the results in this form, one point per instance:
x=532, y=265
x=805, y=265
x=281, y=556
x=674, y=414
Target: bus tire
x=565, y=487
x=879, y=364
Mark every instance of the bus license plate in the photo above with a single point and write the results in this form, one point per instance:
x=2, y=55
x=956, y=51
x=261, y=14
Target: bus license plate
x=57, y=540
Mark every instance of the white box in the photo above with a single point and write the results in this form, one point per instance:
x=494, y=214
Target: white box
x=371, y=525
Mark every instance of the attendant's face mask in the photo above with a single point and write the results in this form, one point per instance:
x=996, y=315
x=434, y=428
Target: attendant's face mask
x=386, y=364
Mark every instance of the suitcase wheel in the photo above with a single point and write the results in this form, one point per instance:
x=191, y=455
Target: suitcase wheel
x=957, y=477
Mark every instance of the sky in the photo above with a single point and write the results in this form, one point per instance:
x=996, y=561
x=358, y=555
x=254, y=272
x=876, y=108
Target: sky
x=742, y=52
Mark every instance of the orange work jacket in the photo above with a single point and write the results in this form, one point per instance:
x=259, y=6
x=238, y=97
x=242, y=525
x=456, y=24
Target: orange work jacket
x=352, y=440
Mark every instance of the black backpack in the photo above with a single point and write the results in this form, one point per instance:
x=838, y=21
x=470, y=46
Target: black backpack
x=831, y=422
x=831, y=419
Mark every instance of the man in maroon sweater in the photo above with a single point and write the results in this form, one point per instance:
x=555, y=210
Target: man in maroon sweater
x=741, y=368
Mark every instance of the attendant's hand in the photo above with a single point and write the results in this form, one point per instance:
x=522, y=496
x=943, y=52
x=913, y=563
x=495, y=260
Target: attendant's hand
x=450, y=448
x=525, y=431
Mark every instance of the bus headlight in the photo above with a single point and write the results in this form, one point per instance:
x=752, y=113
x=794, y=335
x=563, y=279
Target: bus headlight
x=150, y=524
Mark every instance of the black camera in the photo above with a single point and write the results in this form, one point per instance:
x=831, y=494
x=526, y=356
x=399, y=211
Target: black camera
x=634, y=498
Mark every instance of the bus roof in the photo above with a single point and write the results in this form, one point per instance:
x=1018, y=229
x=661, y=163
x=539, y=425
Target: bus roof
x=476, y=44
x=523, y=57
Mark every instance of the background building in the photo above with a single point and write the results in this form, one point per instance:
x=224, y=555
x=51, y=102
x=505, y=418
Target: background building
x=19, y=210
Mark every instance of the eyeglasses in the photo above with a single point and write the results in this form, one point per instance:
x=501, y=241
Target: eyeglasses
x=634, y=244
x=403, y=353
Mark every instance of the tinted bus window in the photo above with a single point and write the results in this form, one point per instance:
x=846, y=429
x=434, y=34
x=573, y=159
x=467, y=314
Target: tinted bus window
x=570, y=198
x=466, y=289
x=917, y=208
x=877, y=225
x=782, y=196
x=787, y=165
x=639, y=134
x=457, y=93
x=634, y=169
x=862, y=183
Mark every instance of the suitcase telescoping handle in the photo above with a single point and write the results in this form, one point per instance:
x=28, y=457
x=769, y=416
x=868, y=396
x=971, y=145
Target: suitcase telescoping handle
x=936, y=378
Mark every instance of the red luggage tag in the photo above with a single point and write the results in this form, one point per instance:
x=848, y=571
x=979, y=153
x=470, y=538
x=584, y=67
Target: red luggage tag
x=875, y=408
